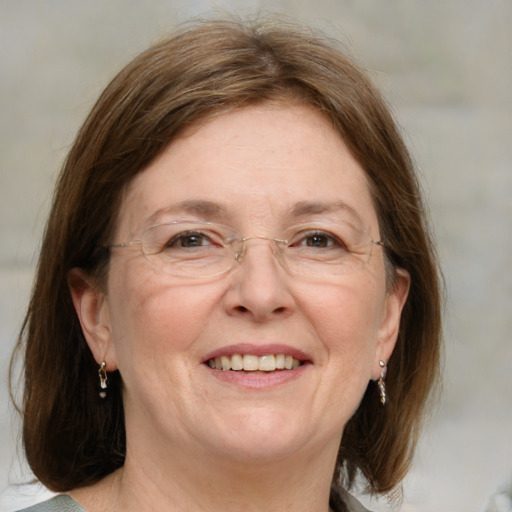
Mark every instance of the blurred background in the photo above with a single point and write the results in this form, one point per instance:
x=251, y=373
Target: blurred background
x=445, y=66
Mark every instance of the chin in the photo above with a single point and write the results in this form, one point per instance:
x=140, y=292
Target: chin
x=262, y=437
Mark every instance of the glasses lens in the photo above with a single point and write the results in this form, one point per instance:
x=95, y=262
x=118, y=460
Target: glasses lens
x=188, y=249
x=327, y=249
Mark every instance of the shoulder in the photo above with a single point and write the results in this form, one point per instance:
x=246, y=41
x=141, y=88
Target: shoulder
x=60, y=503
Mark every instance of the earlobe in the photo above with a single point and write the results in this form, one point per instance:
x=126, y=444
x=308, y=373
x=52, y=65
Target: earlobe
x=91, y=307
x=390, y=325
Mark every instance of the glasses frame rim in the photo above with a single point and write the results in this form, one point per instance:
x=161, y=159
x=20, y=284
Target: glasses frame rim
x=236, y=259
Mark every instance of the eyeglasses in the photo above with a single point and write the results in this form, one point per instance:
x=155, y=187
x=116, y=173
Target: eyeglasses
x=198, y=250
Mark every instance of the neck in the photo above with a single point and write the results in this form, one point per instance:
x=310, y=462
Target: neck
x=297, y=484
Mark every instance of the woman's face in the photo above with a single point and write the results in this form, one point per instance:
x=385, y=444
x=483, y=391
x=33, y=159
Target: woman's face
x=258, y=170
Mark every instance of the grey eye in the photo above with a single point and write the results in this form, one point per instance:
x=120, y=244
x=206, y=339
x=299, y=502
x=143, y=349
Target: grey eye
x=319, y=240
x=189, y=240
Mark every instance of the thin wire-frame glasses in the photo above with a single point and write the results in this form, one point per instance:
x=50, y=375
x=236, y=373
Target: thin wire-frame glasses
x=203, y=249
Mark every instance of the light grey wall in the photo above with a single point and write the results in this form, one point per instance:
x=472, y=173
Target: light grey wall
x=446, y=66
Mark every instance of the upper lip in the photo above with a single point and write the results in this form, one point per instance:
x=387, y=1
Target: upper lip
x=258, y=350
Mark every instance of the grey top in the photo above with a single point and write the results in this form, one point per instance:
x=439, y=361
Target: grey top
x=342, y=501
x=64, y=503
x=60, y=503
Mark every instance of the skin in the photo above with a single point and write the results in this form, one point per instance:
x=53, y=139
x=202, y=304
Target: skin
x=199, y=441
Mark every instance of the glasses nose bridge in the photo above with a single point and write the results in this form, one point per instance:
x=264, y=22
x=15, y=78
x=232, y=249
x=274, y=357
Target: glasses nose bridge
x=277, y=246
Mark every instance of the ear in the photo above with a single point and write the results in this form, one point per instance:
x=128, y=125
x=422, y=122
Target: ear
x=390, y=324
x=91, y=306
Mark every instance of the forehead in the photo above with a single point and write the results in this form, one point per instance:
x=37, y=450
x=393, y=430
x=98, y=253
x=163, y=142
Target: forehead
x=257, y=164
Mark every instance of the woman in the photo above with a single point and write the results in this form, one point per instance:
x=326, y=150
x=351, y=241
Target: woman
x=237, y=300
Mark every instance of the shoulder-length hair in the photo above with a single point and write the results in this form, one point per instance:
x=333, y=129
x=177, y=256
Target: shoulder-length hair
x=71, y=437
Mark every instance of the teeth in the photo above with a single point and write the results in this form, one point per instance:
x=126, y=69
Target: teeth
x=225, y=362
x=237, y=362
x=267, y=363
x=252, y=363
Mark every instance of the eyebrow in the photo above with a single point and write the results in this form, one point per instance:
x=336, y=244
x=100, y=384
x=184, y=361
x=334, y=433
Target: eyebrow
x=215, y=211
x=205, y=209
x=305, y=208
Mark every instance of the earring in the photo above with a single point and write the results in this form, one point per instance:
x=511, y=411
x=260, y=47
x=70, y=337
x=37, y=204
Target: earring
x=102, y=372
x=381, y=384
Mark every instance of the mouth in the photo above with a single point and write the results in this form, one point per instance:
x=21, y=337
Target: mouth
x=254, y=363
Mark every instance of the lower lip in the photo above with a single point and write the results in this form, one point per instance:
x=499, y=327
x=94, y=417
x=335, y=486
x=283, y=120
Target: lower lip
x=258, y=380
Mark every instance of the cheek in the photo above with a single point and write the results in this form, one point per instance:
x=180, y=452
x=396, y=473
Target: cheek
x=151, y=318
x=347, y=318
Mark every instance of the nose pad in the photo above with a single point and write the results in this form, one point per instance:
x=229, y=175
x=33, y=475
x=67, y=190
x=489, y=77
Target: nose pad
x=275, y=243
x=239, y=255
x=239, y=250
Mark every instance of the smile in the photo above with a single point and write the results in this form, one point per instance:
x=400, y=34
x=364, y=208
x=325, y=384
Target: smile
x=254, y=363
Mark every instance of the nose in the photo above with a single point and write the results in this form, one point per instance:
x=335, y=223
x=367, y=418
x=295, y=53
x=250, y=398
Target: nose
x=259, y=285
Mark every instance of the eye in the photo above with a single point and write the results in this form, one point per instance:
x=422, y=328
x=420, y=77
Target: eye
x=319, y=240
x=190, y=240
x=184, y=240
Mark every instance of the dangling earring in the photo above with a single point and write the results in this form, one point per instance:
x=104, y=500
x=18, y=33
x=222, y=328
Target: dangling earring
x=381, y=384
x=102, y=372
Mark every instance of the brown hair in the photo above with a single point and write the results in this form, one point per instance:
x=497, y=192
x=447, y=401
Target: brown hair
x=71, y=437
